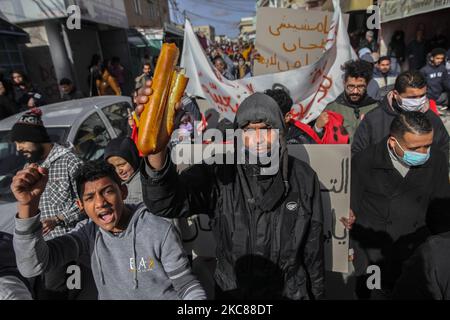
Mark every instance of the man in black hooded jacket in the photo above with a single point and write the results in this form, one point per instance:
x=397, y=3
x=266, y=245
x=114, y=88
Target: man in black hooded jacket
x=268, y=228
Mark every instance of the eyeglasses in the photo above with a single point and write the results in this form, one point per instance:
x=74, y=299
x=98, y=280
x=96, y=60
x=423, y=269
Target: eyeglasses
x=360, y=88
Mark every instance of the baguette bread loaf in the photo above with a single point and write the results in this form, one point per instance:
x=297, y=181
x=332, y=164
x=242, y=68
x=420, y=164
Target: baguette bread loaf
x=160, y=109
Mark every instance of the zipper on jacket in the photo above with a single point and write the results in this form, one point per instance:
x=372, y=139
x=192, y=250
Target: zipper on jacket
x=250, y=232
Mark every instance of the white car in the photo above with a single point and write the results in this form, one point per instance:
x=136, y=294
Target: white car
x=85, y=125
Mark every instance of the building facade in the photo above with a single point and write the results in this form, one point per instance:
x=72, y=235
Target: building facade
x=147, y=14
x=11, y=38
x=63, y=40
x=247, y=29
x=208, y=31
x=294, y=4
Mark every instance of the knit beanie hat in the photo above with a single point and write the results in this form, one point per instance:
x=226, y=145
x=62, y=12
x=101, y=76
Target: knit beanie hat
x=30, y=128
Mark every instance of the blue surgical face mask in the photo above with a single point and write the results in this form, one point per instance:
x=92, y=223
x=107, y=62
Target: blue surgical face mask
x=413, y=159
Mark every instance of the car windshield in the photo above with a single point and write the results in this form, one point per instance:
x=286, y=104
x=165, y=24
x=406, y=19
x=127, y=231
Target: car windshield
x=11, y=161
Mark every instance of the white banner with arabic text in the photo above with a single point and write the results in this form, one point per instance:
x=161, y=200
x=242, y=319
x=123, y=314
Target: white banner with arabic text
x=312, y=87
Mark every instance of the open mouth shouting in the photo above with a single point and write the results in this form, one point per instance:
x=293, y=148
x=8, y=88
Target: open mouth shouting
x=106, y=216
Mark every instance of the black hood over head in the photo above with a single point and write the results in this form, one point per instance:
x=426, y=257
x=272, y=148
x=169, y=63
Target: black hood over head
x=125, y=148
x=257, y=108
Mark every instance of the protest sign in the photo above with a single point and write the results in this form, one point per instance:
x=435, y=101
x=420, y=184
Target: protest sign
x=288, y=39
x=311, y=87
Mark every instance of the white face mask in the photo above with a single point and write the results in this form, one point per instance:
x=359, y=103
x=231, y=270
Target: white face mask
x=413, y=104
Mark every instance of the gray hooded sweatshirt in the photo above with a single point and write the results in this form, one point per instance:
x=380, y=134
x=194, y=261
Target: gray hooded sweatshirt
x=145, y=262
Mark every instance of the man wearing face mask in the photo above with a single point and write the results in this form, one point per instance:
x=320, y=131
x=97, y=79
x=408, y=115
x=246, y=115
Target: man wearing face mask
x=409, y=95
x=266, y=217
x=393, y=183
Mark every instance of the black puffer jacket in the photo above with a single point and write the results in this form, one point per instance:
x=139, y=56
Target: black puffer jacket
x=426, y=275
x=268, y=230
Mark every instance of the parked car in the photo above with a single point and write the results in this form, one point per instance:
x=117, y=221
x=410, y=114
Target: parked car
x=86, y=126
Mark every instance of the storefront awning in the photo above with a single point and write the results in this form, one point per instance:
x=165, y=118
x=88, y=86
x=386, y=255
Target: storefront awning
x=399, y=9
x=9, y=29
x=136, y=39
x=170, y=28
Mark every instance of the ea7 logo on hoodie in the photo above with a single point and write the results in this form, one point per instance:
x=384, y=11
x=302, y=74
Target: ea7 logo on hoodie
x=144, y=265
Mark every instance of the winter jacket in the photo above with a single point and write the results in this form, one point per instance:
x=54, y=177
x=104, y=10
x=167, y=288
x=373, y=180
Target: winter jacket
x=352, y=113
x=416, y=53
x=377, y=123
x=73, y=95
x=390, y=210
x=23, y=96
x=7, y=107
x=300, y=133
x=286, y=230
x=426, y=275
x=438, y=81
x=268, y=228
x=385, y=83
x=397, y=48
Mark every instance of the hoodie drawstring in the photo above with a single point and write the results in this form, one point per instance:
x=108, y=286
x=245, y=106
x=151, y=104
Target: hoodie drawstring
x=135, y=281
x=97, y=257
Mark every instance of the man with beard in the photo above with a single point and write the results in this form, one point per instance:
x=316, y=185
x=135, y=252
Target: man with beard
x=354, y=102
x=266, y=216
x=409, y=95
x=393, y=184
x=59, y=211
x=438, y=82
x=144, y=77
x=384, y=77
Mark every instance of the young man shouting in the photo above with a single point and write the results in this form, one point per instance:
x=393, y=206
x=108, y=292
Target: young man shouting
x=133, y=254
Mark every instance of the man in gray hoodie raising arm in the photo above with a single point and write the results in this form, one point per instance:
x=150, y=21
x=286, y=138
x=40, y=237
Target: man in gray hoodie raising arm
x=134, y=255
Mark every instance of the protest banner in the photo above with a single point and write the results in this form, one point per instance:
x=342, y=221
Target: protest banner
x=289, y=39
x=311, y=87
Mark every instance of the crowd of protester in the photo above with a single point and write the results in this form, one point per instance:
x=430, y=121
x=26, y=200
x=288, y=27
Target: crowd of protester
x=111, y=217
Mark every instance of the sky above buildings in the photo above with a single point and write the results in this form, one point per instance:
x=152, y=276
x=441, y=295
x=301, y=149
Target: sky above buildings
x=223, y=15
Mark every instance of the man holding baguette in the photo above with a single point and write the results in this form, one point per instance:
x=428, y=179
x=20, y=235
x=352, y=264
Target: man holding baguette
x=267, y=223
